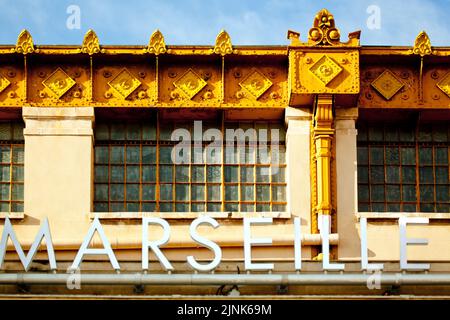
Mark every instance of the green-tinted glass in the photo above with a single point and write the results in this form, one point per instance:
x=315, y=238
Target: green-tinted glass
x=377, y=174
x=182, y=173
x=4, y=207
x=214, y=207
x=278, y=174
x=133, y=131
x=408, y=174
x=262, y=192
x=392, y=155
x=5, y=154
x=232, y=207
x=18, y=154
x=377, y=193
x=148, y=207
x=247, y=174
x=101, y=131
x=263, y=174
x=213, y=174
x=231, y=193
x=426, y=175
x=5, y=175
x=117, y=206
x=378, y=207
x=363, y=174
x=148, y=192
x=376, y=133
x=148, y=173
x=18, y=173
x=279, y=193
x=426, y=207
x=198, y=174
x=362, y=133
x=409, y=193
x=101, y=173
x=426, y=193
x=425, y=156
x=101, y=192
x=148, y=132
x=4, y=191
x=247, y=207
x=101, y=154
x=117, y=192
x=408, y=156
x=231, y=173
x=182, y=192
x=166, y=192
x=407, y=134
x=197, y=192
x=118, y=131
x=165, y=173
x=279, y=208
x=133, y=154
x=442, y=193
x=441, y=155
x=392, y=174
x=263, y=207
x=393, y=193
x=148, y=154
x=393, y=207
x=132, y=206
x=440, y=133
x=376, y=155
x=391, y=134
x=117, y=174
x=165, y=132
x=18, y=131
x=166, y=207
x=363, y=192
x=247, y=193
x=182, y=207
x=5, y=131
x=441, y=174
x=117, y=154
x=425, y=134
x=132, y=174
x=101, y=207
x=132, y=192
x=198, y=207
x=214, y=192
x=409, y=207
x=165, y=155
x=363, y=155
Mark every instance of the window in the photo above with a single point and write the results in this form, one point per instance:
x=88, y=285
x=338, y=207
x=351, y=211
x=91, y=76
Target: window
x=403, y=168
x=134, y=170
x=11, y=166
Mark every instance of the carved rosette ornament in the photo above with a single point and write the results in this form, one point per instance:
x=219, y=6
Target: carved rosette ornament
x=324, y=31
x=156, y=45
x=223, y=44
x=91, y=43
x=422, y=45
x=24, y=43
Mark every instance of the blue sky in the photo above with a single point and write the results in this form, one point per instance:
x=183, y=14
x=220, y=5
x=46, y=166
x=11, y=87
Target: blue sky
x=199, y=21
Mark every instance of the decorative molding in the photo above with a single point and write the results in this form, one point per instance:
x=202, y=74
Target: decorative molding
x=190, y=83
x=387, y=84
x=325, y=69
x=91, y=44
x=255, y=83
x=444, y=84
x=24, y=43
x=422, y=45
x=156, y=44
x=223, y=44
x=124, y=83
x=58, y=82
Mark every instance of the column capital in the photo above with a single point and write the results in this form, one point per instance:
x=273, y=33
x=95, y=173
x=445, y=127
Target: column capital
x=297, y=114
x=347, y=113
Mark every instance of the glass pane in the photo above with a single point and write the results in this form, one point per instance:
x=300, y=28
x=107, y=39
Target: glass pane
x=363, y=155
x=376, y=155
x=263, y=155
x=263, y=174
x=409, y=207
x=101, y=173
x=4, y=207
x=117, y=191
x=117, y=174
x=441, y=174
x=443, y=207
x=132, y=192
x=442, y=193
x=198, y=192
x=133, y=154
x=408, y=156
x=18, y=173
x=166, y=207
x=198, y=207
x=148, y=192
x=263, y=207
x=165, y=173
x=440, y=133
x=133, y=131
x=4, y=192
x=101, y=207
x=148, y=132
x=165, y=155
x=148, y=173
x=165, y=132
x=101, y=192
x=214, y=173
x=182, y=173
x=17, y=207
x=393, y=193
x=441, y=155
x=363, y=192
x=214, y=192
x=148, y=207
x=17, y=192
x=377, y=174
x=117, y=207
x=393, y=207
x=425, y=133
x=5, y=173
x=5, y=131
x=18, y=131
x=392, y=174
x=247, y=207
x=425, y=207
x=279, y=207
x=279, y=193
x=378, y=207
x=426, y=174
x=117, y=155
x=262, y=192
x=232, y=207
x=363, y=174
x=165, y=192
x=101, y=154
x=214, y=207
x=363, y=207
x=278, y=174
x=425, y=156
x=392, y=155
x=247, y=193
x=132, y=174
x=377, y=193
x=409, y=193
x=148, y=154
x=101, y=131
x=182, y=207
x=247, y=174
x=362, y=133
x=132, y=206
x=376, y=133
x=5, y=154
x=391, y=134
x=408, y=174
x=426, y=193
x=118, y=132
x=198, y=174
x=18, y=155
x=231, y=193
x=231, y=173
x=407, y=134
x=182, y=192
x=282, y=155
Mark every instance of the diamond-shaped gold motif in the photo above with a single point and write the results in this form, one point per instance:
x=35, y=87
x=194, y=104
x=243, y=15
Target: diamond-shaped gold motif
x=325, y=69
x=124, y=83
x=58, y=82
x=387, y=84
x=256, y=83
x=4, y=83
x=444, y=84
x=190, y=83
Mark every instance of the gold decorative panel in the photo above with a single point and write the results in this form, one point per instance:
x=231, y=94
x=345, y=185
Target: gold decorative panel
x=58, y=83
x=4, y=83
x=190, y=83
x=124, y=83
x=256, y=83
x=444, y=84
x=387, y=84
x=325, y=69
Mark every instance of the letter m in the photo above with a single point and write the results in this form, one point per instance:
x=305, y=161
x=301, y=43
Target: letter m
x=44, y=231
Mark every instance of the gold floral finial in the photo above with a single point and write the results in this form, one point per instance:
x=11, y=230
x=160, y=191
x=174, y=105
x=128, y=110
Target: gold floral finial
x=324, y=31
x=422, y=45
x=223, y=44
x=156, y=44
x=91, y=43
x=24, y=43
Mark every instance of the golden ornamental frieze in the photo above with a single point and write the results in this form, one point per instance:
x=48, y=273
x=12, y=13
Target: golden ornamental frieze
x=189, y=84
x=58, y=83
x=255, y=83
x=124, y=83
x=387, y=84
x=444, y=84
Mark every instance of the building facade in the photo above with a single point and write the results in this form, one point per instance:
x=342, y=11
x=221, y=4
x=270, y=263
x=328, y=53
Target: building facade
x=335, y=152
